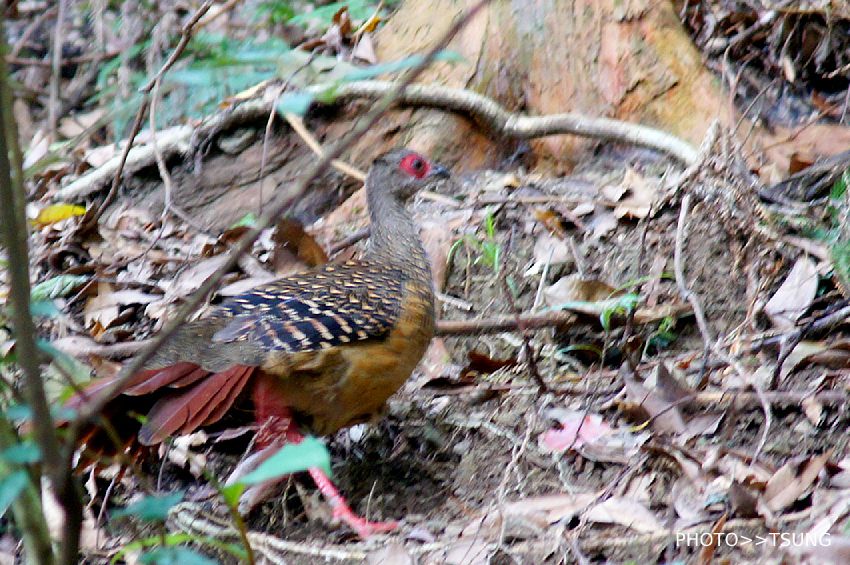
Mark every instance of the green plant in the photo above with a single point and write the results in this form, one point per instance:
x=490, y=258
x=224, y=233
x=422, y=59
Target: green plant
x=622, y=304
x=662, y=336
x=276, y=11
x=488, y=247
x=164, y=548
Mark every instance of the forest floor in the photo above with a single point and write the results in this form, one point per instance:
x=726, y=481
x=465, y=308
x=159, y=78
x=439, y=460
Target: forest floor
x=628, y=432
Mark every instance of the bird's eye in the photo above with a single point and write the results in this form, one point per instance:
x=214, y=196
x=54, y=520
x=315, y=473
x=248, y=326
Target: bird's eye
x=415, y=166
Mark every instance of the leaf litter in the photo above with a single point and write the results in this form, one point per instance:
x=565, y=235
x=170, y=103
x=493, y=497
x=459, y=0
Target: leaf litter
x=648, y=427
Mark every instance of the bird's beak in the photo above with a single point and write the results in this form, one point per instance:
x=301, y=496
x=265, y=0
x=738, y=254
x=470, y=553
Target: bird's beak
x=439, y=172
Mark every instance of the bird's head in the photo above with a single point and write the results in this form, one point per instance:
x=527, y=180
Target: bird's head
x=402, y=172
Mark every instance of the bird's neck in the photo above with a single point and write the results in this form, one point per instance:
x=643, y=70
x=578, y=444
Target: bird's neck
x=394, y=236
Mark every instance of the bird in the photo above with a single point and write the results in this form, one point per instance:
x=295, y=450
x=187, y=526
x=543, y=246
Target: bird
x=311, y=353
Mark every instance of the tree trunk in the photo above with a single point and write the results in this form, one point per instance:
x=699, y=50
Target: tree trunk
x=629, y=60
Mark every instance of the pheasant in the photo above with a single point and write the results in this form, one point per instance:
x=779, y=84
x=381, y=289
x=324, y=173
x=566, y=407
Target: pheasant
x=311, y=353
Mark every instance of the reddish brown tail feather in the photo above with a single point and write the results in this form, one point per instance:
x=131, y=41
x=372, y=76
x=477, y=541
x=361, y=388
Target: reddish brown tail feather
x=173, y=400
x=201, y=404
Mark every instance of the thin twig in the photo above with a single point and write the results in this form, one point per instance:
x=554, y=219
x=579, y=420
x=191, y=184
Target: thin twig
x=544, y=276
x=298, y=125
x=549, y=319
x=267, y=135
x=530, y=355
x=185, y=35
x=681, y=283
x=66, y=62
x=13, y=228
x=169, y=205
x=56, y=73
x=30, y=29
x=91, y=220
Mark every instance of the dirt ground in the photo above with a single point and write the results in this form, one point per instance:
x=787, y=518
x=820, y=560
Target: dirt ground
x=462, y=458
x=625, y=433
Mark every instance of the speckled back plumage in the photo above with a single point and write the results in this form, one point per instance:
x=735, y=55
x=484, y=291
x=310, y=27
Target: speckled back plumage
x=338, y=304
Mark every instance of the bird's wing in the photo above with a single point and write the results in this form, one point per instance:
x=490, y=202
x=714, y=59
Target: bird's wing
x=336, y=305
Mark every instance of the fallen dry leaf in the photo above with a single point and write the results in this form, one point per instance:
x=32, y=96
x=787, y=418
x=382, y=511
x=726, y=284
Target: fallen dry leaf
x=392, y=553
x=794, y=296
x=467, y=552
x=294, y=249
x=101, y=310
x=180, y=452
x=575, y=288
x=56, y=213
x=633, y=197
x=823, y=550
x=542, y=510
x=665, y=416
x=602, y=224
x=244, y=285
x=791, y=481
x=625, y=512
x=76, y=124
x=576, y=429
x=549, y=250
x=365, y=50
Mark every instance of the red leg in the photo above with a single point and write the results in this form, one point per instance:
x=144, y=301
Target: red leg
x=277, y=428
x=342, y=511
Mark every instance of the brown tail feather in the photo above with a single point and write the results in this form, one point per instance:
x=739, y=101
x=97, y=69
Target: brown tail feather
x=235, y=381
x=190, y=378
x=185, y=411
x=151, y=380
x=202, y=398
x=231, y=397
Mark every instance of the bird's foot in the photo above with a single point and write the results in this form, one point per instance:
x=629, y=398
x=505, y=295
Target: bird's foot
x=342, y=511
x=256, y=494
x=364, y=528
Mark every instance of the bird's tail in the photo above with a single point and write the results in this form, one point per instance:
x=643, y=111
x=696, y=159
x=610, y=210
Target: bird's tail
x=154, y=405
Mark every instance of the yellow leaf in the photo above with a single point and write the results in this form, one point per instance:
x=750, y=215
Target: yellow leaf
x=57, y=213
x=369, y=25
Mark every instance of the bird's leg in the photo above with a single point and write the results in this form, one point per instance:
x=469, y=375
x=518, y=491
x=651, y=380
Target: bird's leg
x=342, y=511
x=278, y=428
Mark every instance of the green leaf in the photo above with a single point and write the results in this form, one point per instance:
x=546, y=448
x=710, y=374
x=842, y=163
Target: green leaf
x=621, y=304
x=175, y=556
x=400, y=65
x=18, y=413
x=22, y=453
x=44, y=309
x=275, y=12
x=840, y=253
x=152, y=508
x=295, y=103
x=839, y=188
x=11, y=488
x=231, y=493
x=173, y=540
x=249, y=220
x=291, y=458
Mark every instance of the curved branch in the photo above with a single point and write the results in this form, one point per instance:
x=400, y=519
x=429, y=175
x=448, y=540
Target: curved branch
x=483, y=110
x=492, y=115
